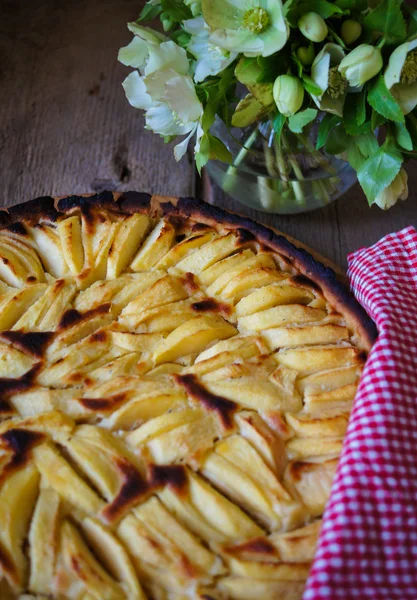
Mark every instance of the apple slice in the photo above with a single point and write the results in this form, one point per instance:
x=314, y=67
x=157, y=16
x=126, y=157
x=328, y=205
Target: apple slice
x=155, y=247
x=193, y=336
x=69, y=231
x=126, y=243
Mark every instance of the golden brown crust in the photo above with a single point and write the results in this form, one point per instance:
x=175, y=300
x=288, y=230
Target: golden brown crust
x=315, y=267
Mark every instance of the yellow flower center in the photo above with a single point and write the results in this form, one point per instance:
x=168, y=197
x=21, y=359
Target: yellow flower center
x=409, y=70
x=337, y=83
x=256, y=19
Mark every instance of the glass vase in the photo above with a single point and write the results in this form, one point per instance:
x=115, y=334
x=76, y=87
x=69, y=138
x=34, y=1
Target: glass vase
x=283, y=177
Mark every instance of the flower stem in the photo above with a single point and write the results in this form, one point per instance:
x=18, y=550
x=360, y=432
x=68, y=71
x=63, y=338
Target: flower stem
x=231, y=177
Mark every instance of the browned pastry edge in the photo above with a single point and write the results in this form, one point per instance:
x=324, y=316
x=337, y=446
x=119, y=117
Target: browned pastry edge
x=336, y=292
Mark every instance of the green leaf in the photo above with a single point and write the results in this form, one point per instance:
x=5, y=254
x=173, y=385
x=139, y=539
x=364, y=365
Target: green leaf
x=294, y=10
x=310, y=86
x=379, y=170
x=352, y=5
x=377, y=120
x=218, y=150
x=326, y=125
x=176, y=10
x=270, y=68
x=180, y=37
x=220, y=91
x=248, y=111
x=402, y=136
x=337, y=141
x=278, y=123
x=203, y=155
x=350, y=116
x=355, y=156
x=150, y=11
x=336, y=38
x=367, y=144
x=361, y=107
x=248, y=72
x=298, y=64
x=381, y=100
x=411, y=122
x=297, y=122
x=387, y=19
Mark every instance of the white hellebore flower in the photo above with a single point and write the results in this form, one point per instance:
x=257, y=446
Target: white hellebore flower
x=163, y=88
x=325, y=74
x=401, y=75
x=397, y=190
x=361, y=64
x=211, y=59
x=252, y=27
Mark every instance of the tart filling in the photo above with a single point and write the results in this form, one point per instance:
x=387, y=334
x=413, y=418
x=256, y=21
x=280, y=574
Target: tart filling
x=174, y=393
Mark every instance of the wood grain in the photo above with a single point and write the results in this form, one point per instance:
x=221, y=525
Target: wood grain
x=66, y=127
x=65, y=123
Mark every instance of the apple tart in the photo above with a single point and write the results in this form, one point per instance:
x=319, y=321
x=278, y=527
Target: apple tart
x=175, y=385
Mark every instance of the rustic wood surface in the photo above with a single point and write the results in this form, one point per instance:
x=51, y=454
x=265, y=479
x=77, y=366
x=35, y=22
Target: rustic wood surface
x=66, y=127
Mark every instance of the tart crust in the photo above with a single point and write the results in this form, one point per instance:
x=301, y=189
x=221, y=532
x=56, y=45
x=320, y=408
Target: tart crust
x=170, y=422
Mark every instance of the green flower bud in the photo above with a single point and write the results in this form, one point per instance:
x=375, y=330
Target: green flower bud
x=350, y=31
x=313, y=27
x=305, y=55
x=288, y=94
x=360, y=65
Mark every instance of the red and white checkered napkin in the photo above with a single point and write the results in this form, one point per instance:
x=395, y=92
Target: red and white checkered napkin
x=368, y=544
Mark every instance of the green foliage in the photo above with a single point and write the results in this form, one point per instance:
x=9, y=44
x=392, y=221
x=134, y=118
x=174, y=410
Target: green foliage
x=278, y=124
x=352, y=5
x=381, y=100
x=352, y=115
x=310, y=86
x=150, y=11
x=361, y=107
x=203, y=155
x=297, y=122
x=326, y=125
x=249, y=72
x=176, y=10
x=387, y=19
x=294, y=9
x=337, y=141
x=379, y=170
x=211, y=148
x=360, y=148
x=403, y=136
x=248, y=111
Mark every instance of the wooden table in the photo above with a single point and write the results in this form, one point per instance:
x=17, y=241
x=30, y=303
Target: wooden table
x=66, y=127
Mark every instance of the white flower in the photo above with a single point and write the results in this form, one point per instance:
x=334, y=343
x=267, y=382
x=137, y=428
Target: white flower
x=194, y=6
x=253, y=27
x=211, y=59
x=401, y=75
x=361, y=64
x=136, y=53
x=325, y=74
x=163, y=88
x=397, y=190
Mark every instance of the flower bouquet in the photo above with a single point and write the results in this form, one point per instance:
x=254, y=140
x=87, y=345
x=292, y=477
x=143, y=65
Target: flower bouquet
x=311, y=79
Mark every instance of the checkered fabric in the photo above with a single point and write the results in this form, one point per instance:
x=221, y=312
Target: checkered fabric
x=368, y=543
